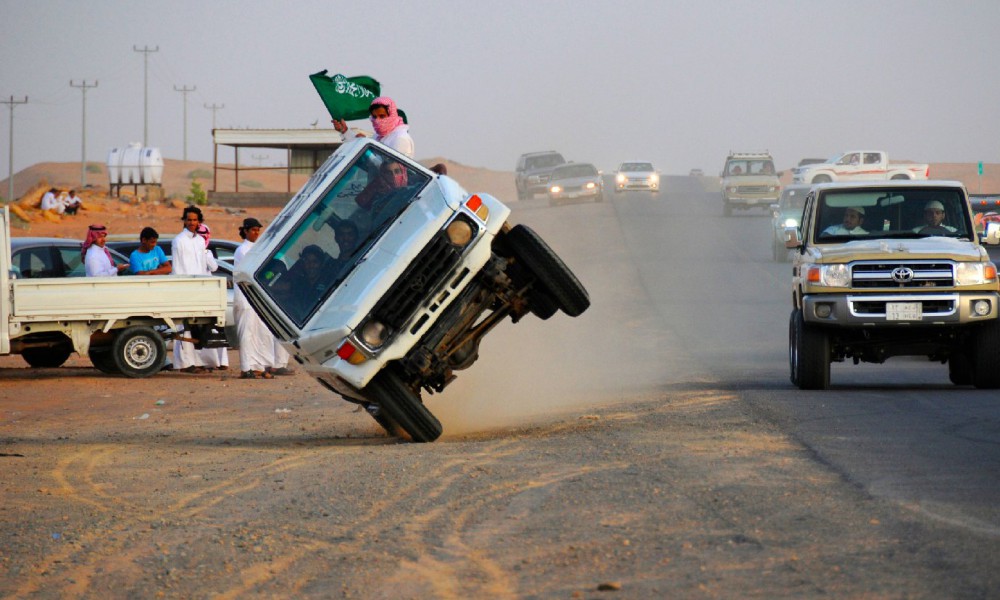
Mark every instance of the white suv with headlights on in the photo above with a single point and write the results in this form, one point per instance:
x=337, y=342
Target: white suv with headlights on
x=637, y=175
x=382, y=277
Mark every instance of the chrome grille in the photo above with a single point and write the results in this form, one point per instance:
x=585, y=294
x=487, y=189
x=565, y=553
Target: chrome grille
x=903, y=275
x=418, y=282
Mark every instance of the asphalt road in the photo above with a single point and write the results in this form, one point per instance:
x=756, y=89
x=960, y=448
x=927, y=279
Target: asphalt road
x=898, y=430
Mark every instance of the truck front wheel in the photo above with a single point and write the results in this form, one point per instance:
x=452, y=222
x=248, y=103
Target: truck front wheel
x=47, y=358
x=138, y=351
x=822, y=179
x=809, y=354
x=986, y=357
x=403, y=407
x=550, y=273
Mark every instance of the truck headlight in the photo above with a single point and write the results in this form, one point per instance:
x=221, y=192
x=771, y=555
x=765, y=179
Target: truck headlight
x=829, y=275
x=967, y=273
x=590, y=185
x=620, y=178
x=556, y=189
x=459, y=232
x=791, y=222
x=374, y=334
x=654, y=178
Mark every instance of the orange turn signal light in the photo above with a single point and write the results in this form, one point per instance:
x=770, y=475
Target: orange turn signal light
x=812, y=276
x=475, y=204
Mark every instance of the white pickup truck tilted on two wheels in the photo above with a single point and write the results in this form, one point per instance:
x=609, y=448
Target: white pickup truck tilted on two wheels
x=858, y=165
x=413, y=272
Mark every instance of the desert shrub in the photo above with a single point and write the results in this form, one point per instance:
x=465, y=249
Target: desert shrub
x=94, y=168
x=203, y=173
x=250, y=183
x=197, y=195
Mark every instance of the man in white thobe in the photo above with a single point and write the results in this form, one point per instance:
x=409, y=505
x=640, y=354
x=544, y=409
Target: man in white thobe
x=187, y=255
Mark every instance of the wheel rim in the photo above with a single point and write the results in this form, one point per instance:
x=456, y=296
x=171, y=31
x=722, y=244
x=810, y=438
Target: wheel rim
x=139, y=352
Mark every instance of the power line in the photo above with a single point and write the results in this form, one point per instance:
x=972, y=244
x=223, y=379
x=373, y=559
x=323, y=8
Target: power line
x=146, y=50
x=83, y=138
x=10, y=168
x=184, y=90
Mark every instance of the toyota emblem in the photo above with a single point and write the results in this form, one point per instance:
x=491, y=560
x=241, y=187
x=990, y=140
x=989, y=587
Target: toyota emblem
x=902, y=274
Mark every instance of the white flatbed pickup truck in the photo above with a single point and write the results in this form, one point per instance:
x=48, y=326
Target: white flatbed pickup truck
x=858, y=165
x=121, y=323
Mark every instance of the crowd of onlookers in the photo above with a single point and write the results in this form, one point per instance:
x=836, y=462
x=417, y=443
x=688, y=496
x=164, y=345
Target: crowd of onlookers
x=261, y=356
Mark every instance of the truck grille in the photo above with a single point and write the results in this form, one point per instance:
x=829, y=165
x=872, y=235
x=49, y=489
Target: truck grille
x=418, y=281
x=930, y=307
x=903, y=275
x=754, y=189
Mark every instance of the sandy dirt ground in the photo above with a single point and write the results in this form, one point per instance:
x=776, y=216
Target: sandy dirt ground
x=581, y=459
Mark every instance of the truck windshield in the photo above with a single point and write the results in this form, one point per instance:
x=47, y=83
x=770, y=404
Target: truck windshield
x=347, y=219
x=750, y=167
x=891, y=212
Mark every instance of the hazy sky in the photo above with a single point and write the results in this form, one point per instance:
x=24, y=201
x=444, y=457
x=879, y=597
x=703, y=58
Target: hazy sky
x=678, y=83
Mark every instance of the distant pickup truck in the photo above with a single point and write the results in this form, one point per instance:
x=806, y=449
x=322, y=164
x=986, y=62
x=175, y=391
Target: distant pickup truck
x=120, y=323
x=858, y=165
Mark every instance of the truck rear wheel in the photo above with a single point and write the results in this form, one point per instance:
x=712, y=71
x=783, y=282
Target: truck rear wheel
x=138, y=351
x=403, y=407
x=47, y=358
x=103, y=361
x=986, y=357
x=809, y=354
x=551, y=274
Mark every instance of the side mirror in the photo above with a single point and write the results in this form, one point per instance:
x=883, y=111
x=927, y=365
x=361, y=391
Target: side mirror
x=992, y=235
x=793, y=238
x=775, y=210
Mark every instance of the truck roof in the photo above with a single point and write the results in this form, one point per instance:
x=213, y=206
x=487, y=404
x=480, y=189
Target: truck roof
x=890, y=183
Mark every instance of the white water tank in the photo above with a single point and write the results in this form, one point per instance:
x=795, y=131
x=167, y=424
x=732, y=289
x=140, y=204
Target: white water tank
x=135, y=165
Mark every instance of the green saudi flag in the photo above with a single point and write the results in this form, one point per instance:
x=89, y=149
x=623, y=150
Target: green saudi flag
x=346, y=98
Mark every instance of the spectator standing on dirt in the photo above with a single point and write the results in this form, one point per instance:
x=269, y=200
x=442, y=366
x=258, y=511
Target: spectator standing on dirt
x=388, y=125
x=256, y=342
x=149, y=258
x=187, y=256
x=96, y=258
x=211, y=358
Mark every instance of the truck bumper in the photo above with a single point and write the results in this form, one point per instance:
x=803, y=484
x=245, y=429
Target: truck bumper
x=861, y=310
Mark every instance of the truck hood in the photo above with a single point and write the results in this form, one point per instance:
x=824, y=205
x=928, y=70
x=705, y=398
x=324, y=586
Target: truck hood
x=890, y=249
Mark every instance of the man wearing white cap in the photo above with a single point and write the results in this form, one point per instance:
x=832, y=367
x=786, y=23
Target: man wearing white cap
x=854, y=216
x=934, y=216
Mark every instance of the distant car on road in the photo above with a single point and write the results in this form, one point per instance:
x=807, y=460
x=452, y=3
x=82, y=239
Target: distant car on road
x=637, y=176
x=532, y=172
x=574, y=181
x=696, y=173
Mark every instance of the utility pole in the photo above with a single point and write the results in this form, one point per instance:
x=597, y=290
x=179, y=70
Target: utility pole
x=10, y=167
x=214, y=108
x=259, y=158
x=184, y=90
x=146, y=50
x=83, y=141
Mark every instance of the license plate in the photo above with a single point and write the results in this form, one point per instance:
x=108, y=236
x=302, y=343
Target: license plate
x=903, y=311
x=574, y=194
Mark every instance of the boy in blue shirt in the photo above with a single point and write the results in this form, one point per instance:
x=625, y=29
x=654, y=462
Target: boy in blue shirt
x=148, y=258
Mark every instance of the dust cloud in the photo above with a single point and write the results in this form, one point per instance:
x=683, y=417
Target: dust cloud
x=536, y=370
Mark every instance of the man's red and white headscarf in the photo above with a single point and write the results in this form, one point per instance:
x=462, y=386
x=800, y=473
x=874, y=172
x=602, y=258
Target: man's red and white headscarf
x=93, y=232
x=204, y=232
x=384, y=127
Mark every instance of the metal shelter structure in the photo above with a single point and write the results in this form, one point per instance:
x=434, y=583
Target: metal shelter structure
x=306, y=148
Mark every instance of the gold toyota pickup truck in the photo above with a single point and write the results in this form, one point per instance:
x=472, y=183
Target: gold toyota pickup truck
x=894, y=268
